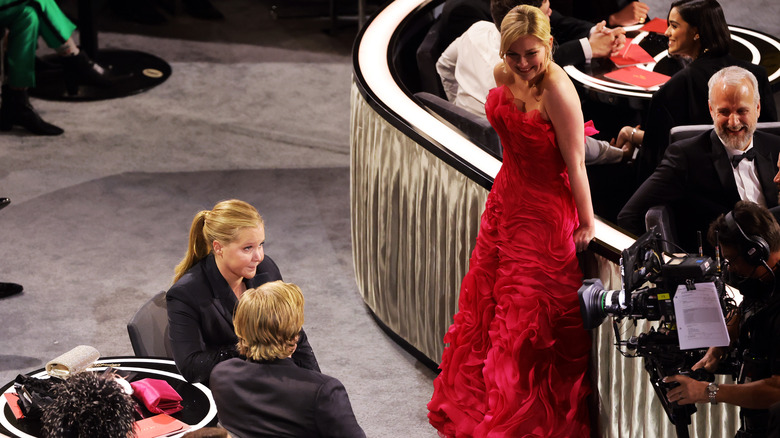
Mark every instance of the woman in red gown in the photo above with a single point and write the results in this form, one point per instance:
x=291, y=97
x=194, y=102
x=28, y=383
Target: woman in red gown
x=518, y=356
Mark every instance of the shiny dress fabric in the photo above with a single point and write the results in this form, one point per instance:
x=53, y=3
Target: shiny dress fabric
x=517, y=359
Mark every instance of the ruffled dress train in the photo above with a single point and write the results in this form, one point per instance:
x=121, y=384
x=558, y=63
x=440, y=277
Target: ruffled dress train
x=517, y=360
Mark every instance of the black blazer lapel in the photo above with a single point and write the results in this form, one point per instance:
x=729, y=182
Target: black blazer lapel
x=223, y=298
x=765, y=165
x=722, y=165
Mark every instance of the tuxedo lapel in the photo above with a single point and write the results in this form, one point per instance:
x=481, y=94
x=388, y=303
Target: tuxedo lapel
x=722, y=165
x=765, y=165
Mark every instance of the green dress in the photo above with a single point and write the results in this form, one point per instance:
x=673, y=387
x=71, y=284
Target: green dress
x=26, y=20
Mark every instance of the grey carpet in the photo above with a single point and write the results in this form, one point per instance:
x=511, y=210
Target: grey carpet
x=99, y=216
x=255, y=109
x=90, y=254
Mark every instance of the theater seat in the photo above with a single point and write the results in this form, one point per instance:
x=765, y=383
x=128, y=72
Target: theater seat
x=475, y=128
x=658, y=217
x=148, y=329
x=687, y=131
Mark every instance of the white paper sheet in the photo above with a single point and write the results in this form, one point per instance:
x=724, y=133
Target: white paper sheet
x=700, y=321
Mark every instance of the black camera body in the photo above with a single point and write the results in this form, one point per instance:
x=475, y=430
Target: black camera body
x=650, y=283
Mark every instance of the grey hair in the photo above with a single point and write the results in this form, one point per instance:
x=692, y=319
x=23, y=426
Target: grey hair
x=733, y=76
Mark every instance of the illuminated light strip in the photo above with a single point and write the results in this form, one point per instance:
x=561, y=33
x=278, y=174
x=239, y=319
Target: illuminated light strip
x=372, y=57
x=769, y=40
x=752, y=48
x=372, y=60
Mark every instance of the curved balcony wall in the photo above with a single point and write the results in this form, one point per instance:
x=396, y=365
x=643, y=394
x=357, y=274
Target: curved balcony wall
x=418, y=188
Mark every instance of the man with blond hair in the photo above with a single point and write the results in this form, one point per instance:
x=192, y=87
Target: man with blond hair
x=266, y=394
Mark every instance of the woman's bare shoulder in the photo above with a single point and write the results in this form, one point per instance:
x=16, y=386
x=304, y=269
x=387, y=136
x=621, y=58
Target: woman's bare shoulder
x=557, y=82
x=501, y=75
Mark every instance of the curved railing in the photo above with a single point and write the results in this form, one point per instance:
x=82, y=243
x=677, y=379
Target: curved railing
x=418, y=188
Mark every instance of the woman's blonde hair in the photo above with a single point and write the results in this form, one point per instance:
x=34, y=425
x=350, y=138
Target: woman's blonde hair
x=522, y=21
x=268, y=320
x=222, y=223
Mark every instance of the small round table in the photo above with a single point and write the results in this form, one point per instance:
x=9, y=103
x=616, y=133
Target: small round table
x=199, y=408
x=750, y=45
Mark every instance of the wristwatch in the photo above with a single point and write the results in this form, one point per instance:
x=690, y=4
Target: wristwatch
x=712, y=391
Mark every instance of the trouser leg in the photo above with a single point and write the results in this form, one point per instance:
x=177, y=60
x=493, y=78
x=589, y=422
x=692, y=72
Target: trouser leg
x=22, y=42
x=55, y=27
x=26, y=21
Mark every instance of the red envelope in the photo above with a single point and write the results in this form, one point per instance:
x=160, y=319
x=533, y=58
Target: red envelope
x=657, y=25
x=157, y=395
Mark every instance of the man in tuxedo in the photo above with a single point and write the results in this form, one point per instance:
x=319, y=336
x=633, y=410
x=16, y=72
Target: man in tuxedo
x=703, y=177
x=267, y=394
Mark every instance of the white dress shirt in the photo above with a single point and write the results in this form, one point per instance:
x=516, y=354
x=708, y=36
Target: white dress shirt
x=746, y=177
x=466, y=66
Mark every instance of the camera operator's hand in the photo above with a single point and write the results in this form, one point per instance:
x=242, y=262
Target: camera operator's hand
x=710, y=360
x=582, y=237
x=689, y=391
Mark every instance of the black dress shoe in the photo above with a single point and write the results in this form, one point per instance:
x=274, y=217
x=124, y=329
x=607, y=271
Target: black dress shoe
x=80, y=70
x=16, y=110
x=8, y=289
x=202, y=9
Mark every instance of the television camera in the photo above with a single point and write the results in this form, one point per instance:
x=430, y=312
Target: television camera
x=650, y=280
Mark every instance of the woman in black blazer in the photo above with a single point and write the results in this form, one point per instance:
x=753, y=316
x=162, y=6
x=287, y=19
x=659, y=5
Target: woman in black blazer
x=698, y=32
x=224, y=258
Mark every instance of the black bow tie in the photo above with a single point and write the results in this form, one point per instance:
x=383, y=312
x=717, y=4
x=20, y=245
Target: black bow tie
x=749, y=155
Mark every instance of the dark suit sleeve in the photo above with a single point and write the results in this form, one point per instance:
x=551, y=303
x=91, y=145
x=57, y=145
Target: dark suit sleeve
x=334, y=416
x=567, y=32
x=304, y=355
x=665, y=185
x=566, y=29
x=569, y=53
x=457, y=16
x=193, y=359
x=657, y=127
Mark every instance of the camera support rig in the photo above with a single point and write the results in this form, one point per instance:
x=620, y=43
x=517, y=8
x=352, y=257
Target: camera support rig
x=642, y=264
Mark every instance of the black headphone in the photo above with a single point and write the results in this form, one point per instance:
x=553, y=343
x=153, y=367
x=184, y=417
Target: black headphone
x=756, y=249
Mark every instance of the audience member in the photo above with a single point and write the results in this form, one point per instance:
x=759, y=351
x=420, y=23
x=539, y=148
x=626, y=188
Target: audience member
x=749, y=238
x=26, y=21
x=466, y=71
x=697, y=31
x=615, y=12
x=267, y=394
x=225, y=257
x=89, y=405
x=457, y=16
x=704, y=176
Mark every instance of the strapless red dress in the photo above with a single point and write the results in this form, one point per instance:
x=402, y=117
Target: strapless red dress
x=517, y=360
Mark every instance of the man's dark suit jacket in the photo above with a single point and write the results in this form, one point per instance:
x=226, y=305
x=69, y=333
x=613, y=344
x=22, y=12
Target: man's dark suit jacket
x=200, y=317
x=683, y=101
x=278, y=399
x=458, y=15
x=696, y=180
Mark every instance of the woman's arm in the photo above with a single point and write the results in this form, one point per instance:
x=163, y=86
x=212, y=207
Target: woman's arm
x=193, y=358
x=562, y=105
